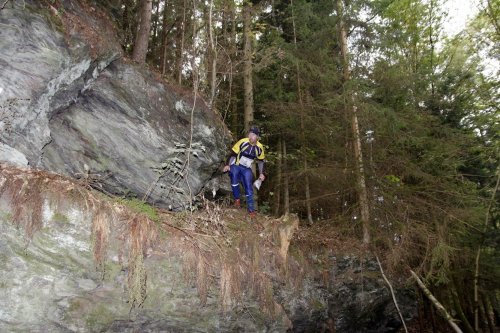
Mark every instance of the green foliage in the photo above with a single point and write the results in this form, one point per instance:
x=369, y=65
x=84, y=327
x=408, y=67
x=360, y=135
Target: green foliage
x=58, y=217
x=440, y=263
x=140, y=207
x=265, y=208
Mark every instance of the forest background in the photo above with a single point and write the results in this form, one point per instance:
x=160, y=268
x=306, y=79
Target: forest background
x=376, y=122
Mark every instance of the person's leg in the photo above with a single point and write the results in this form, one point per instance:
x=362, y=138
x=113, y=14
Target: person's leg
x=247, y=184
x=235, y=175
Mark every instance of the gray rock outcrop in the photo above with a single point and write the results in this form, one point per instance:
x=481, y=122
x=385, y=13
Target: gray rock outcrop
x=71, y=104
x=202, y=273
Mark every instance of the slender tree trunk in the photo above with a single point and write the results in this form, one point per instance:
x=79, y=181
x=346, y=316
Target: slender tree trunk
x=164, y=43
x=478, y=254
x=486, y=308
x=352, y=110
x=460, y=312
x=247, y=64
x=235, y=119
x=421, y=310
x=432, y=42
x=156, y=23
x=286, y=190
x=126, y=24
x=143, y=29
x=234, y=48
x=482, y=322
x=433, y=318
x=180, y=44
x=302, y=126
x=278, y=179
x=213, y=56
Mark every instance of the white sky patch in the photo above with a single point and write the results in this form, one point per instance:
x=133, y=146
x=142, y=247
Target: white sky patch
x=1, y=90
x=459, y=13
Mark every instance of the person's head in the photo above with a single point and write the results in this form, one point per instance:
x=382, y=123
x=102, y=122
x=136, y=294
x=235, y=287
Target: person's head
x=253, y=134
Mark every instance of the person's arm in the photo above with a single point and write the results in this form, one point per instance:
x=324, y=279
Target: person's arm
x=231, y=158
x=260, y=162
x=260, y=165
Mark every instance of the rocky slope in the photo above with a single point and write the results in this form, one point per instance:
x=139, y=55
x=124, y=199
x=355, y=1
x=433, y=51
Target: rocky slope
x=75, y=260
x=70, y=103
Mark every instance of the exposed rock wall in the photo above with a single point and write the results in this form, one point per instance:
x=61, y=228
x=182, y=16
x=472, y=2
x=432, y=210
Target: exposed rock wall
x=75, y=260
x=68, y=264
x=70, y=103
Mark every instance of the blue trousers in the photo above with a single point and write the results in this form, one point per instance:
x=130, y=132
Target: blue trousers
x=239, y=174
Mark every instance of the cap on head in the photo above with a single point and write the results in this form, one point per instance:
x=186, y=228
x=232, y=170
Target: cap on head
x=255, y=130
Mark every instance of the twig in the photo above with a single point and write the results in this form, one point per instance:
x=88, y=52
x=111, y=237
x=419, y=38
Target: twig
x=4, y=4
x=392, y=293
x=442, y=311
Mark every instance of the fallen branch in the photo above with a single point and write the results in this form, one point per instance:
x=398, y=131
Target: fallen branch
x=436, y=303
x=392, y=293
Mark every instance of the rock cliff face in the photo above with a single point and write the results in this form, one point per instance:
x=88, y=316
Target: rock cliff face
x=70, y=103
x=74, y=260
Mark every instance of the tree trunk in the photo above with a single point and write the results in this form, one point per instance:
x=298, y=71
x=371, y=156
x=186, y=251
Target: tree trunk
x=482, y=322
x=495, y=307
x=286, y=191
x=126, y=23
x=155, y=24
x=302, y=126
x=486, y=308
x=180, y=44
x=433, y=318
x=164, y=44
x=478, y=254
x=143, y=28
x=432, y=43
x=247, y=64
x=421, y=308
x=277, y=184
x=212, y=57
x=460, y=312
x=352, y=110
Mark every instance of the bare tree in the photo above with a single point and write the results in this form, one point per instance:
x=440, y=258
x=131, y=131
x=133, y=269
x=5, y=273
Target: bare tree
x=351, y=110
x=247, y=64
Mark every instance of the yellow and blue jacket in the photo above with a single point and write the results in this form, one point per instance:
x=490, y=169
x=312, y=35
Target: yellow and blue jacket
x=244, y=148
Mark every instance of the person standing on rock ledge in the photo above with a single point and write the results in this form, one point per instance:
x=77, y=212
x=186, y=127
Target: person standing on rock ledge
x=239, y=165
